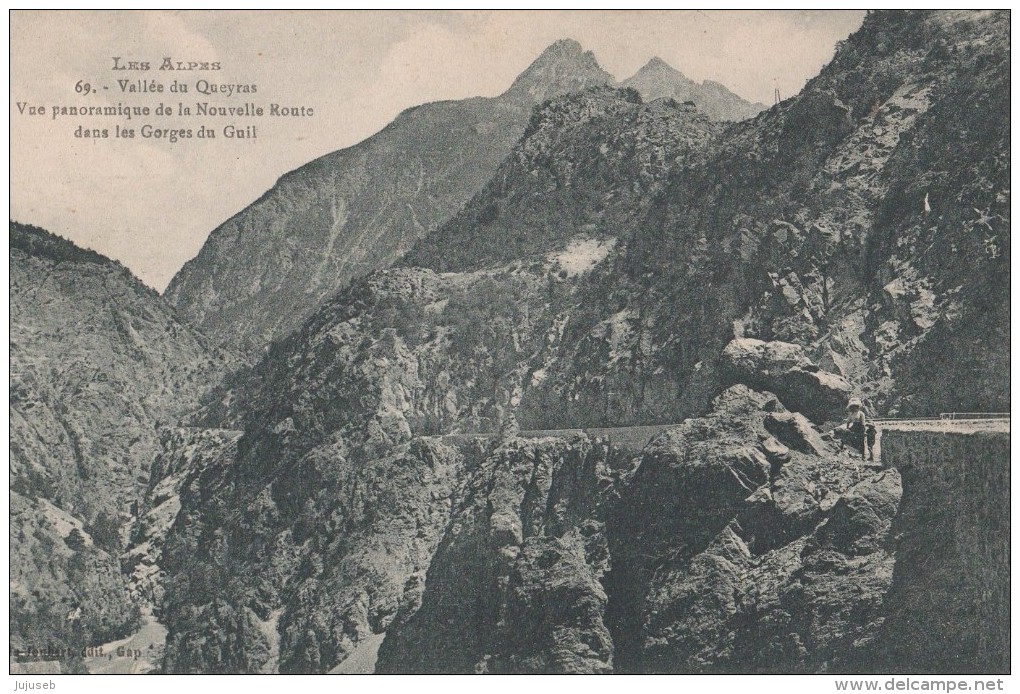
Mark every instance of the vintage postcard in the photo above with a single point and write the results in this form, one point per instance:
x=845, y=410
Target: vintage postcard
x=511, y=342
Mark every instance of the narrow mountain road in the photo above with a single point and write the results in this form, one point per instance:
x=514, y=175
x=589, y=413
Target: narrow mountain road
x=636, y=437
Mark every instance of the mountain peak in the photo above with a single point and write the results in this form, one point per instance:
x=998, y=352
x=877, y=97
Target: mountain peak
x=658, y=79
x=657, y=64
x=658, y=71
x=568, y=47
x=561, y=68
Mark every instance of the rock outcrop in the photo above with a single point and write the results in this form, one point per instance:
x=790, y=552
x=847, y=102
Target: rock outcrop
x=184, y=455
x=728, y=558
x=515, y=584
x=783, y=368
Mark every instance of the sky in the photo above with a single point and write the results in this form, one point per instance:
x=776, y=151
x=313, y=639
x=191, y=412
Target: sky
x=151, y=203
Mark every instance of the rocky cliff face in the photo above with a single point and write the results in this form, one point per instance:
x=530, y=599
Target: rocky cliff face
x=743, y=547
x=569, y=198
x=413, y=351
x=809, y=225
x=461, y=554
x=864, y=219
x=98, y=363
x=658, y=80
x=515, y=583
x=262, y=272
x=817, y=223
x=331, y=482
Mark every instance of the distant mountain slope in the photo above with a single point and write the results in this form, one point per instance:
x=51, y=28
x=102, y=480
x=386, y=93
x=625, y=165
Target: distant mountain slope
x=589, y=163
x=98, y=363
x=657, y=80
x=353, y=211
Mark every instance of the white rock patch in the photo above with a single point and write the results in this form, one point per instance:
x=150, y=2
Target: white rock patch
x=583, y=254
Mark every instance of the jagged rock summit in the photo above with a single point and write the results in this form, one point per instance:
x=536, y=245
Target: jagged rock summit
x=562, y=68
x=658, y=79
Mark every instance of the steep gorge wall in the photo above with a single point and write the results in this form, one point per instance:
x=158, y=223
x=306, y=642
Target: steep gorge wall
x=948, y=608
x=743, y=541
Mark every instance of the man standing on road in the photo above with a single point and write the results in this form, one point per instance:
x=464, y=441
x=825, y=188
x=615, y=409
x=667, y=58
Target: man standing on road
x=862, y=434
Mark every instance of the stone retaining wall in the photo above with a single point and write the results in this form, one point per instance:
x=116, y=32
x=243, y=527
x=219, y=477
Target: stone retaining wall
x=948, y=608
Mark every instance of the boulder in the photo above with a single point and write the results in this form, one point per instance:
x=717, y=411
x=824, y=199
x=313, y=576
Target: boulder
x=784, y=369
x=794, y=431
x=776, y=452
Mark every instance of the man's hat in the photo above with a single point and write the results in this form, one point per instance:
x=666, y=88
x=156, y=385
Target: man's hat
x=854, y=402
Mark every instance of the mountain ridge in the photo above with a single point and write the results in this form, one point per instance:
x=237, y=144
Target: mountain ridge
x=359, y=208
